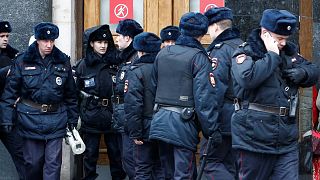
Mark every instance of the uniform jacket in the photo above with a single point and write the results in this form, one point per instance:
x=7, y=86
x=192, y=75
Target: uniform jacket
x=6, y=56
x=167, y=125
x=50, y=83
x=125, y=57
x=221, y=51
x=258, y=79
x=139, y=99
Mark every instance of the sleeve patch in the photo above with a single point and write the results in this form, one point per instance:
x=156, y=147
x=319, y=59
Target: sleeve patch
x=214, y=63
x=240, y=58
x=126, y=85
x=212, y=80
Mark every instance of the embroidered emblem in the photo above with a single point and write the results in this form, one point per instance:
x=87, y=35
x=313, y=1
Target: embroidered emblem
x=58, y=81
x=214, y=63
x=126, y=84
x=104, y=35
x=6, y=25
x=89, y=82
x=240, y=58
x=289, y=28
x=169, y=33
x=113, y=79
x=48, y=32
x=122, y=75
x=212, y=80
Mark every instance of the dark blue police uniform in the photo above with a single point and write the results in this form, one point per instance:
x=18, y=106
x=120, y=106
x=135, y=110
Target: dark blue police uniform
x=47, y=102
x=221, y=160
x=138, y=103
x=183, y=82
x=264, y=127
x=131, y=28
x=94, y=83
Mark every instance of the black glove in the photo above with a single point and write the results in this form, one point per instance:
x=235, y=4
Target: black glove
x=297, y=75
x=6, y=128
x=216, y=137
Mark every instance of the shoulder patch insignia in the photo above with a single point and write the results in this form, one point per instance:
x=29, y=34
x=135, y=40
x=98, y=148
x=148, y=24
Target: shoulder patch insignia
x=240, y=58
x=243, y=44
x=214, y=63
x=212, y=80
x=126, y=85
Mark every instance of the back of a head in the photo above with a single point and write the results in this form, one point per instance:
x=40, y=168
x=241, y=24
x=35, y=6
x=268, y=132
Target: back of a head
x=279, y=22
x=169, y=33
x=129, y=27
x=193, y=24
x=223, y=16
x=147, y=42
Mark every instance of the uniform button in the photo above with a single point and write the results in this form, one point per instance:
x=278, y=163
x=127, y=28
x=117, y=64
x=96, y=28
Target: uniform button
x=286, y=88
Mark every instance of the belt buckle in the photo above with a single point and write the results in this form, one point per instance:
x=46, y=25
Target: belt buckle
x=44, y=108
x=283, y=111
x=104, y=102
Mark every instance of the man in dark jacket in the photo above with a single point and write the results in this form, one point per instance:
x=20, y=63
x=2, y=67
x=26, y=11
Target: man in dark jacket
x=42, y=78
x=94, y=83
x=12, y=140
x=127, y=30
x=7, y=53
x=138, y=106
x=221, y=160
x=183, y=83
x=267, y=72
x=169, y=35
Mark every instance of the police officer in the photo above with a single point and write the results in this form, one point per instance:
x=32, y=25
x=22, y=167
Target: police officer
x=94, y=82
x=221, y=160
x=184, y=83
x=138, y=105
x=169, y=35
x=268, y=72
x=127, y=29
x=42, y=78
x=12, y=140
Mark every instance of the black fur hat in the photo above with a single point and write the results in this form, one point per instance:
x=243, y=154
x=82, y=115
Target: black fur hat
x=46, y=31
x=169, y=33
x=217, y=14
x=5, y=27
x=129, y=27
x=147, y=42
x=277, y=21
x=101, y=33
x=193, y=24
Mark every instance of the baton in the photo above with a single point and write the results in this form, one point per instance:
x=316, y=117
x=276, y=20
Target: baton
x=205, y=157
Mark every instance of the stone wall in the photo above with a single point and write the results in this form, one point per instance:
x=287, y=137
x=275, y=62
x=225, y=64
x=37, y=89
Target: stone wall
x=23, y=16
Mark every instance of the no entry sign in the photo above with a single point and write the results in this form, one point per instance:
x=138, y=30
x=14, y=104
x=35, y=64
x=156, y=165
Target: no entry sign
x=207, y=4
x=120, y=10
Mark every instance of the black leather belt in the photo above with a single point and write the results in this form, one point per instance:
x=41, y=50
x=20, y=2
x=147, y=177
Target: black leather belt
x=282, y=111
x=101, y=102
x=117, y=99
x=41, y=107
x=172, y=108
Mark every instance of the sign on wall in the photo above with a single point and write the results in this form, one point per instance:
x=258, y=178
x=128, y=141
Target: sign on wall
x=207, y=4
x=120, y=10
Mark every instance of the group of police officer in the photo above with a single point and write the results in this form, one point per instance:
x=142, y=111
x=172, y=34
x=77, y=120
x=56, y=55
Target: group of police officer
x=150, y=103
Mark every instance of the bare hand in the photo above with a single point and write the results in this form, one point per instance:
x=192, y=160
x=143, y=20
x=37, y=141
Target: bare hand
x=138, y=142
x=270, y=43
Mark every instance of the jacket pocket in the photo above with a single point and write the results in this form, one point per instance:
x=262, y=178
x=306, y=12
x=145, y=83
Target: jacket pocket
x=59, y=79
x=31, y=78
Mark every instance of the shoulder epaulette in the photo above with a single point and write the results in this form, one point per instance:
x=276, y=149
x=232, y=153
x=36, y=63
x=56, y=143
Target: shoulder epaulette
x=243, y=44
x=218, y=46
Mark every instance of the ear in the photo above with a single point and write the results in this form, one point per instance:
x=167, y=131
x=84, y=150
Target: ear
x=127, y=38
x=91, y=43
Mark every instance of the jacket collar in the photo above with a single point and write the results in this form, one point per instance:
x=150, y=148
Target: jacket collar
x=147, y=58
x=9, y=51
x=32, y=54
x=190, y=42
x=227, y=34
x=127, y=53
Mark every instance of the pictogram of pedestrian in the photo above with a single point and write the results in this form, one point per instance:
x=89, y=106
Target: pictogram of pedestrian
x=121, y=11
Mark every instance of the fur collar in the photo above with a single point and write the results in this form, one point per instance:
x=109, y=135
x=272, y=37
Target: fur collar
x=190, y=42
x=10, y=51
x=259, y=49
x=93, y=58
x=147, y=58
x=227, y=34
x=32, y=54
x=125, y=54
